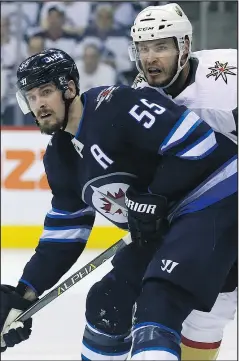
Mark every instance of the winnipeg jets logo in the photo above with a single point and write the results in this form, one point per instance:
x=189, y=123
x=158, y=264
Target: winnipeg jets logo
x=221, y=70
x=106, y=195
x=112, y=201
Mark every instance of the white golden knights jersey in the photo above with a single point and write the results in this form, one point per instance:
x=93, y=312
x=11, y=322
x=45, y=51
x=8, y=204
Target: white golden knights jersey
x=212, y=92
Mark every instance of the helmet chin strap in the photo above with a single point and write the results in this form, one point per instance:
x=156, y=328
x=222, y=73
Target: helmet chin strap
x=179, y=69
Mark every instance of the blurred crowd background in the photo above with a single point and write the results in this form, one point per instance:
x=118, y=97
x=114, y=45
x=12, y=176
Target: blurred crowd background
x=96, y=35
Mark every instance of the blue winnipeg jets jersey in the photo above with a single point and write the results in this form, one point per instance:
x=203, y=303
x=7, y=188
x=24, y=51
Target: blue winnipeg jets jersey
x=127, y=137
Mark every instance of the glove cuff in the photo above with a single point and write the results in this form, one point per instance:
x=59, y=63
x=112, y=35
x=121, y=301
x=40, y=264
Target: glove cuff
x=25, y=291
x=9, y=295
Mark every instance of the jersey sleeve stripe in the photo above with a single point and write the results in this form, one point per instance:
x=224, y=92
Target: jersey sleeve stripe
x=225, y=178
x=54, y=213
x=64, y=240
x=66, y=234
x=218, y=192
x=59, y=211
x=186, y=124
x=93, y=354
x=28, y=284
x=87, y=220
x=64, y=228
x=201, y=148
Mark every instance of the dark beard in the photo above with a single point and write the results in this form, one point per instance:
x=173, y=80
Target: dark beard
x=164, y=83
x=50, y=130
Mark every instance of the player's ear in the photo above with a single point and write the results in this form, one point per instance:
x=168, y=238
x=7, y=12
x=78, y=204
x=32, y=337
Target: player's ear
x=71, y=92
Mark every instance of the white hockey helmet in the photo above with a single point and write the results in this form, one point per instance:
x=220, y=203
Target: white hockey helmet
x=159, y=22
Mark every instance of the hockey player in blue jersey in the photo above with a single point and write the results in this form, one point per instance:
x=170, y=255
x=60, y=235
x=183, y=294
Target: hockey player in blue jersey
x=163, y=173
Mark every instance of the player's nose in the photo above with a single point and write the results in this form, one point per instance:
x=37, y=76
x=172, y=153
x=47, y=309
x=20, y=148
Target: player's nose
x=40, y=103
x=151, y=56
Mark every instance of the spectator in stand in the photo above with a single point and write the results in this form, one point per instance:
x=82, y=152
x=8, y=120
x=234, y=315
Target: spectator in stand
x=77, y=14
x=12, y=52
x=54, y=35
x=4, y=88
x=35, y=45
x=124, y=14
x=9, y=46
x=29, y=12
x=109, y=37
x=92, y=71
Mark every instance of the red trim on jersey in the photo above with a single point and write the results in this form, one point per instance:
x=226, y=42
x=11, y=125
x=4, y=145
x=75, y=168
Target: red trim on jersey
x=200, y=345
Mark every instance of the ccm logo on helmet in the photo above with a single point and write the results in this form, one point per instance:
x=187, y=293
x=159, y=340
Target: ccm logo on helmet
x=140, y=207
x=146, y=28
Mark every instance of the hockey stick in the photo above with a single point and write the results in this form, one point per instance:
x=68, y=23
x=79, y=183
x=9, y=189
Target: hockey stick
x=76, y=277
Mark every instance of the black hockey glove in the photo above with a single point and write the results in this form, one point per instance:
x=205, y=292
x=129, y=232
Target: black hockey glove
x=12, y=304
x=146, y=216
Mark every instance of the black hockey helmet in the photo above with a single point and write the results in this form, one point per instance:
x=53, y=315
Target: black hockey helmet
x=51, y=65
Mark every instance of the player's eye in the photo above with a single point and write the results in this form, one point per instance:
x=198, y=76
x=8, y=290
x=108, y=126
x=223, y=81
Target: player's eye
x=143, y=49
x=161, y=47
x=30, y=98
x=46, y=91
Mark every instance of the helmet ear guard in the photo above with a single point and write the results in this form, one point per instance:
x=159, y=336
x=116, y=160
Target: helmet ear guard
x=132, y=51
x=62, y=84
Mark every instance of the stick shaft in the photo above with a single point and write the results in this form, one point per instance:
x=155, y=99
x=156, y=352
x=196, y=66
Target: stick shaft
x=72, y=280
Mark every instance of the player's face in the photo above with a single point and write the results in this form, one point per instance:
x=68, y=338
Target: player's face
x=159, y=60
x=48, y=107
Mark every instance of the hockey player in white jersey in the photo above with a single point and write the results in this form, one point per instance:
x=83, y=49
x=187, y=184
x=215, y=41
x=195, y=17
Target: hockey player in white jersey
x=205, y=81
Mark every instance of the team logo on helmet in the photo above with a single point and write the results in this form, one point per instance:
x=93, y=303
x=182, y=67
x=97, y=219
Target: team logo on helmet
x=178, y=11
x=221, y=70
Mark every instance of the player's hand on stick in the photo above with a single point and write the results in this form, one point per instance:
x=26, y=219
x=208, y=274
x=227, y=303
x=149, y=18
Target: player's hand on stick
x=146, y=216
x=12, y=304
